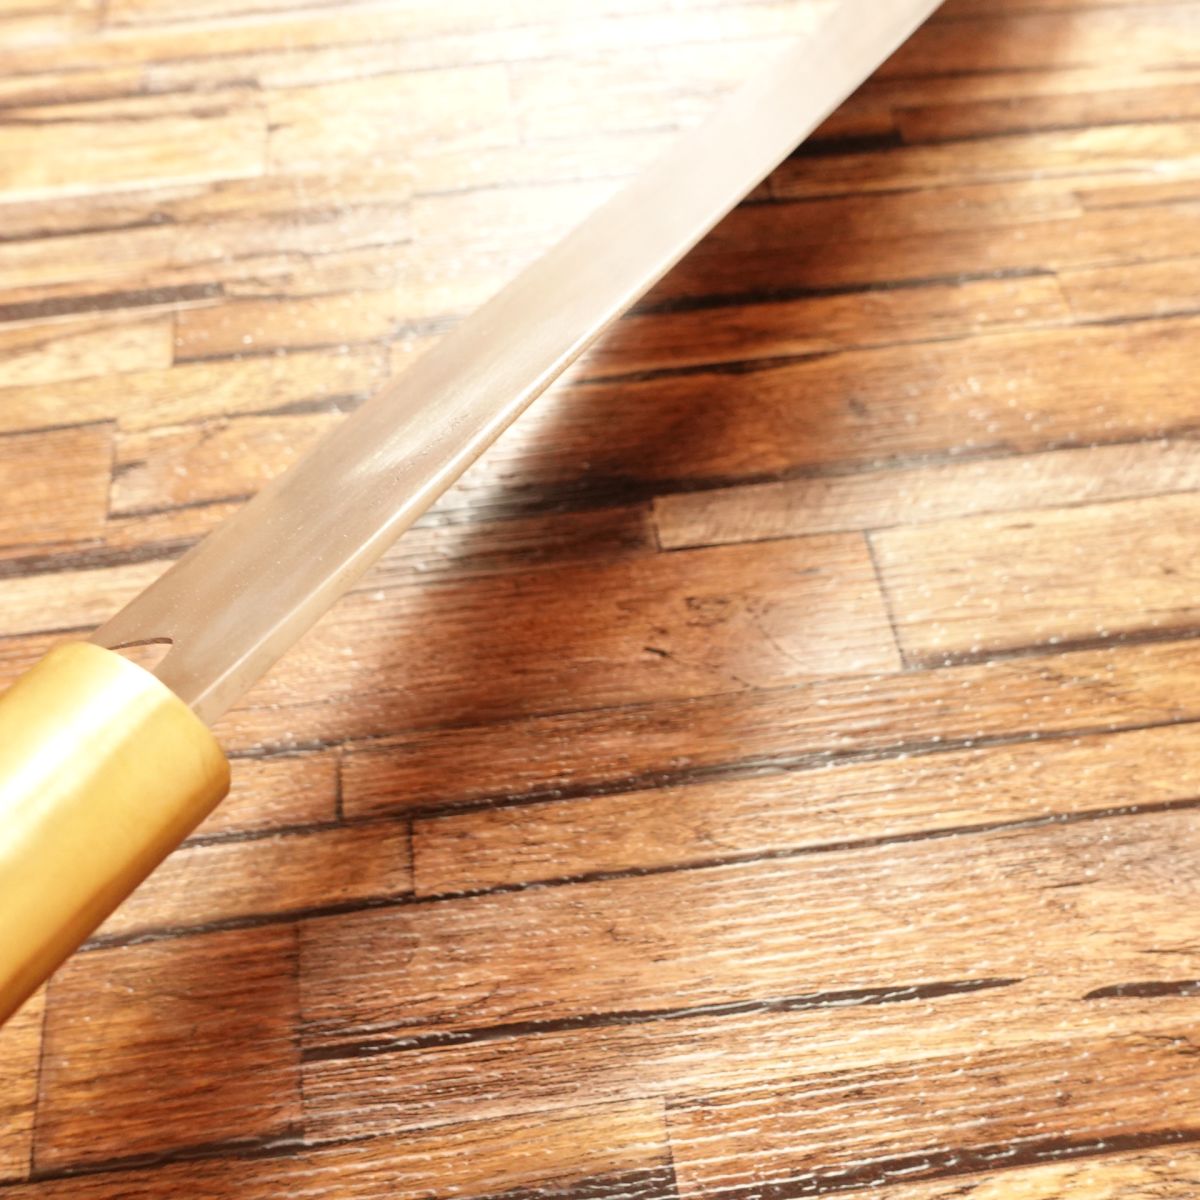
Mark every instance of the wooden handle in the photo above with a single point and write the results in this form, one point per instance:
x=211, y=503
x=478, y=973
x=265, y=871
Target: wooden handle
x=103, y=771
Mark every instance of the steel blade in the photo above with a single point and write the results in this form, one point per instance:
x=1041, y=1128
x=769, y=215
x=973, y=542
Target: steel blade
x=235, y=602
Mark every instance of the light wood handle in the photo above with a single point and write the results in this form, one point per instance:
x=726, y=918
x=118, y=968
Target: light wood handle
x=103, y=771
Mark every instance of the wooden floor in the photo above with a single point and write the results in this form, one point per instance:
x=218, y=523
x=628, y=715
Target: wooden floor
x=775, y=770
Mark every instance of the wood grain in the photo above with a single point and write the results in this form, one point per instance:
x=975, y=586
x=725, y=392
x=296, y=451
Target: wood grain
x=181, y=1043
x=191, y=391
x=1170, y=1173
x=1127, y=149
x=1153, y=289
x=42, y=353
x=773, y=770
x=807, y=724
x=694, y=1054
x=393, y=115
x=996, y=394
x=243, y=882
x=1149, y=34
x=92, y=148
x=630, y=630
x=601, y=1150
x=1081, y=110
x=20, y=1057
x=70, y=506
x=277, y=793
x=740, y=333
x=895, y=913
x=772, y=815
x=799, y=1141
x=1041, y=578
x=917, y=495
x=77, y=599
x=208, y=461
x=780, y=268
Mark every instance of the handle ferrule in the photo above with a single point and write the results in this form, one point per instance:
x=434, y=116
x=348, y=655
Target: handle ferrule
x=103, y=771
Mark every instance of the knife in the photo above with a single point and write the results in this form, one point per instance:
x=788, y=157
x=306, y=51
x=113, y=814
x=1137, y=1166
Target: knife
x=106, y=767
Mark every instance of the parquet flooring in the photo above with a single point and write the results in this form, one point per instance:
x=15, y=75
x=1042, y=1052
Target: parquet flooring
x=774, y=770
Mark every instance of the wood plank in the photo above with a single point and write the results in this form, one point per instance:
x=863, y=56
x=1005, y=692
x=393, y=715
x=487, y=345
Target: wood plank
x=874, y=216
x=45, y=508
x=600, y=634
x=692, y=939
x=276, y=793
x=20, y=1056
x=740, y=333
x=180, y=1043
x=15, y=9
x=1000, y=393
x=336, y=316
x=755, y=253
x=556, y=160
x=431, y=286
x=259, y=251
x=292, y=201
x=694, y=1055
x=917, y=495
x=991, y=583
x=396, y=114
x=1154, y=289
x=212, y=460
x=545, y=29
x=861, y=115
x=660, y=62
x=18, y=654
x=424, y=292
x=480, y=217
x=806, y=724
x=46, y=154
x=1171, y=1173
x=53, y=353
x=78, y=600
x=692, y=1036
x=1150, y=35
x=146, y=399
x=466, y=245
x=564, y=18
x=165, y=532
x=987, y=1108
x=158, y=12
x=936, y=88
x=50, y=86
x=1130, y=149
x=598, y=1150
x=989, y=118
x=325, y=43
x=302, y=30
x=142, y=12
x=1140, y=193
x=209, y=886
x=730, y=819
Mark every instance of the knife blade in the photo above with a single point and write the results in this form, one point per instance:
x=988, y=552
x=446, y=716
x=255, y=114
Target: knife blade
x=77, y=834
